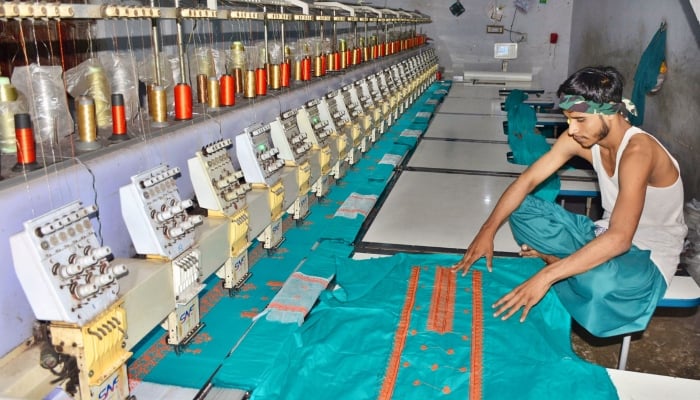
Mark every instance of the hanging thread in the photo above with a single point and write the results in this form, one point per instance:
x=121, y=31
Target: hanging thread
x=149, y=98
x=227, y=90
x=159, y=105
x=260, y=82
x=98, y=89
x=26, y=147
x=118, y=117
x=87, y=125
x=297, y=70
x=318, y=66
x=7, y=91
x=202, y=88
x=238, y=62
x=275, y=77
x=9, y=106
x=285, y=72
x=249, y=89
x=238, y=80
x=306, y=69
x=183, y=102
x=213, y=93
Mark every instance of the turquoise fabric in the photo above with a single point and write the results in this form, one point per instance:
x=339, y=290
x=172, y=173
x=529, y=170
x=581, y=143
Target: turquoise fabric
x=615, y=298
x=647, y=73
x=325, y=359
x=526, y=144
x=310, y=246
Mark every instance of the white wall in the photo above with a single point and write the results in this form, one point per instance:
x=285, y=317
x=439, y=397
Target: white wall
x=616, y=33
x=463, y=44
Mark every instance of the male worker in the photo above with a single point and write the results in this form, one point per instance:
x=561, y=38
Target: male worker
x=607, y=282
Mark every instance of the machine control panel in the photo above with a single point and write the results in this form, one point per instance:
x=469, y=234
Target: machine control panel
x=309, y=121
x=336, y=108
x=363, y=93
x=155, y=215
x=217, y=184
x=386, y=81
x=293, y=144
x=62, y=266
x=259, y=158
x=352, y=102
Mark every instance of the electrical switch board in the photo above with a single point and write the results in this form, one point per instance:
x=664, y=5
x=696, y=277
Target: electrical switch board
x=293, y=144
x=155, y=215
x=63, y=267
x=259, y=158
x=217, y=184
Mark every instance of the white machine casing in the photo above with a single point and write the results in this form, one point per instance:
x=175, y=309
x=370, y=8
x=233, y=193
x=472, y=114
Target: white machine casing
x=217, y=184
x=63, y=268
x=155, y=216
x=351, y=101
x=363, y=93
x=317, y=130
x=365, y=98
x=320, y=132
x=293, y=144
x=336, y=111
x=259, y=158
x=381, y=95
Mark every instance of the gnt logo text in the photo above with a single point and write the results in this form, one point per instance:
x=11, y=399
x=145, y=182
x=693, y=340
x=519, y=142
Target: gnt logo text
x=239, y=263
x=107, y=391
x=187, y=314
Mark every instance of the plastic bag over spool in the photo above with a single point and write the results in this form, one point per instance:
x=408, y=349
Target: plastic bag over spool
x=43, y=86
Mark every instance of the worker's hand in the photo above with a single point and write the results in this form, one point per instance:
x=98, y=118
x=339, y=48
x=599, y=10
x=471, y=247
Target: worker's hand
x=525, y=296
x=482, y=246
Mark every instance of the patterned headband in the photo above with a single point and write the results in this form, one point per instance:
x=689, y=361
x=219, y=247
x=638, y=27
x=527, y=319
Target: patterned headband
x=577, y=103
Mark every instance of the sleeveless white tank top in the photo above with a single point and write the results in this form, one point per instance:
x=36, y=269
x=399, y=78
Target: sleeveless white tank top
x=661, y=229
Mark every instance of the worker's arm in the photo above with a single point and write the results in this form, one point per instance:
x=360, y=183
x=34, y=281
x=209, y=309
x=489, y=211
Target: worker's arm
x=635, y=169
x=482, y=244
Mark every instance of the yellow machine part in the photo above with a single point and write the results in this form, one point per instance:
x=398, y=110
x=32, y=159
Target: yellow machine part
x=325, y=160
x=276, y=199
x=377, y=113
x=98, y=346
x=366, y=123
x=342, y=143
x=355, y=133
x=304, y=177
x=238, y=232
x=237, y=229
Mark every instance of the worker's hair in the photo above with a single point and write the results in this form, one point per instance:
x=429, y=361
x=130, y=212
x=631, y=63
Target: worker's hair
x=597, y=84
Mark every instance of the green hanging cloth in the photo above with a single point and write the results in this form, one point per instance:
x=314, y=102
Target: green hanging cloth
x=645, y=78
x=525, y=143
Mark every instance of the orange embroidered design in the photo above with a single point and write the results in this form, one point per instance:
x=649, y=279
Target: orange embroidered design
x=476, y=377
x=392, y=372
x=442, y=303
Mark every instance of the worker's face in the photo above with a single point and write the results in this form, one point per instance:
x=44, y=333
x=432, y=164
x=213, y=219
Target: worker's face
x=587, y=129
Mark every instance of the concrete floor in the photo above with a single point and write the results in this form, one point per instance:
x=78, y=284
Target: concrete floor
x=670, y=346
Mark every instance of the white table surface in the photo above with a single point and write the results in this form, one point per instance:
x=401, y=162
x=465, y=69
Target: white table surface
x=638, y=386
x=476, y=157
x=455, y=105
x=439, y=210
x=467, y=127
